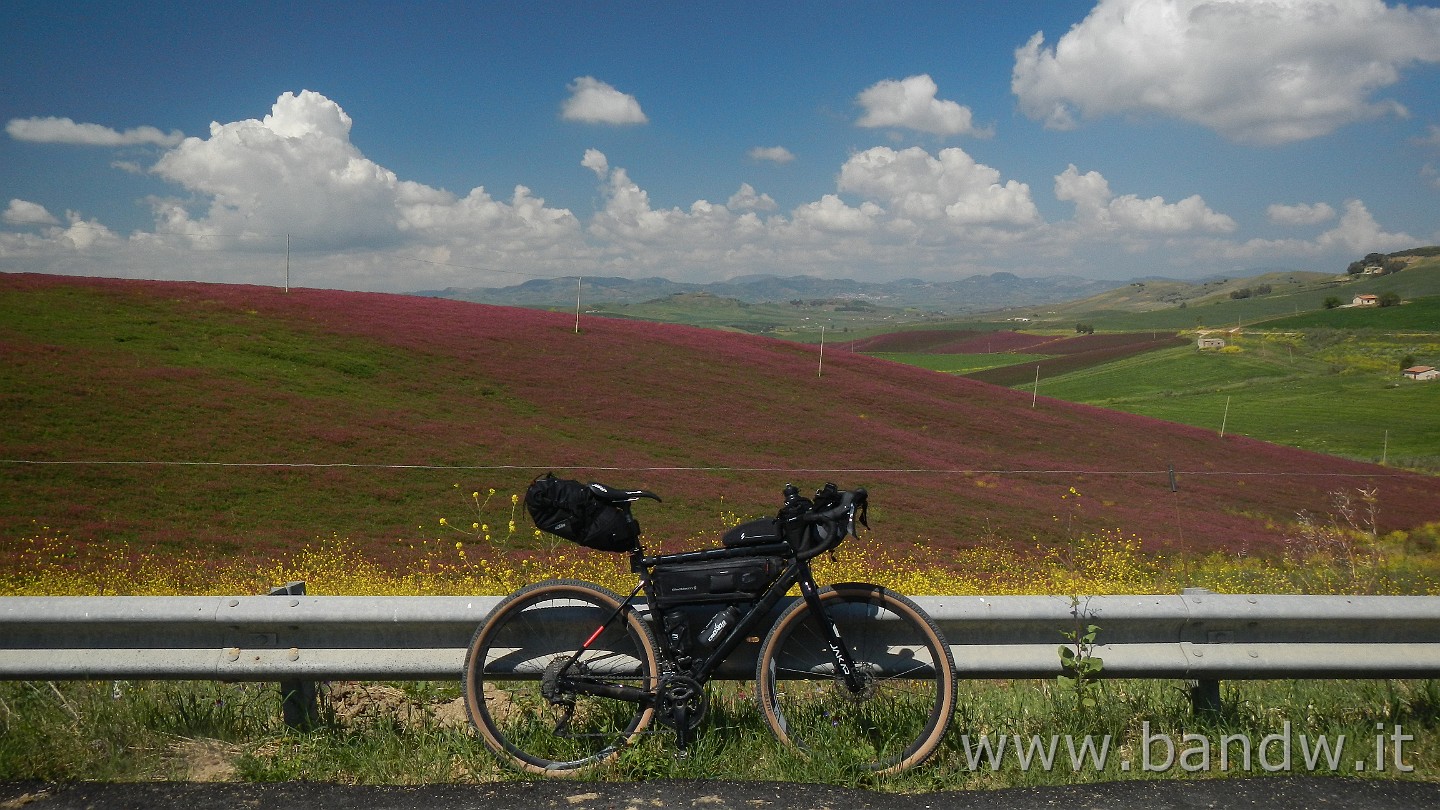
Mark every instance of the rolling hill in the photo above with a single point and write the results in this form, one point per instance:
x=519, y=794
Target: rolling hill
x=1166, y=304
x=265, y=419
x=970, y=294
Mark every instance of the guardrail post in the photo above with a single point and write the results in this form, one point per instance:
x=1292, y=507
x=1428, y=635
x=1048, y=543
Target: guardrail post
x=1205, y=693
x=1205, y=698
x=298, y=704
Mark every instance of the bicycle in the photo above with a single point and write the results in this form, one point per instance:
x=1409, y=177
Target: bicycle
x=564, y=674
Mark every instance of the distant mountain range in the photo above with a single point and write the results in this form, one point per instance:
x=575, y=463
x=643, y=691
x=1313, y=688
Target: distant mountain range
x=977, y=293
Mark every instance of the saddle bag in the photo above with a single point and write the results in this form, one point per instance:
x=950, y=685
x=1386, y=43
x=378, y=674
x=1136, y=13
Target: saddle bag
x=569, y=509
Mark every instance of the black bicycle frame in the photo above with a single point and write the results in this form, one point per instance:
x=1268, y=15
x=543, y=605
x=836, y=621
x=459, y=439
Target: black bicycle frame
x=797, y=572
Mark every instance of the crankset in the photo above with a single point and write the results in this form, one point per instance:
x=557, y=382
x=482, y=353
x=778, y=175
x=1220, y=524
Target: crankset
x=682, y=704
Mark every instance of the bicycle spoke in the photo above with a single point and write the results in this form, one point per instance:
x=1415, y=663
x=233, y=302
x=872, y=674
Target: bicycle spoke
x=525, y=684
x=906, y=695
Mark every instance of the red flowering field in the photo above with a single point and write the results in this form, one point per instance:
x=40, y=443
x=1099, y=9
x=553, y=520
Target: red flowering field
x=1073, y=354
x=266, y=419
x=1001, y=341
x=913, y=340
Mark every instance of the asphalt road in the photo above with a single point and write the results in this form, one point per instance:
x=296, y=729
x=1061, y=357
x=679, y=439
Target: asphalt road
x=1278, y=793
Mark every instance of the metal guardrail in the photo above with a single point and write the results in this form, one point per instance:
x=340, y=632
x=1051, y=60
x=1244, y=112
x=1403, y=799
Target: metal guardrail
x=1196, y=635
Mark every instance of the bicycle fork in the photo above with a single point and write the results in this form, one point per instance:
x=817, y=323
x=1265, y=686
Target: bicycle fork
x=844, y=664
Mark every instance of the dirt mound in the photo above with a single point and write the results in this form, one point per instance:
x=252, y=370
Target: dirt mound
x=352, y=703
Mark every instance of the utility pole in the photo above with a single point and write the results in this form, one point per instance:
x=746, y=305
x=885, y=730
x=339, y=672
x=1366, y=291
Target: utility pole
x=578, y=281
x=821, y=368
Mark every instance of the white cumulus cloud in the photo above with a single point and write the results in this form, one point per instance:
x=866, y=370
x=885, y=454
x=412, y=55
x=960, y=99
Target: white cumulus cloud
x=949, y=186
x=1264, y=71
x=1098, y=208
x=747, y=199
x=592, y=101
x=242, y=190
x=1301, y=214
x=774, y=154
x=1358, y=233
x=64, y=130
x=24, y=212
x=831, y=214
x=253, y=186
x=296, y=172
x=60, y=242
x=911, y=103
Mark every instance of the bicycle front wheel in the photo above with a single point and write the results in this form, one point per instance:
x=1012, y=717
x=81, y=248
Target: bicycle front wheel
x=530, y=706
x=906, y=697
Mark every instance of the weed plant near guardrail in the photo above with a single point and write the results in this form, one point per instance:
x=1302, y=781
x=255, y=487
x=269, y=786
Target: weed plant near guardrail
x=412, y=735
x=1329, y=559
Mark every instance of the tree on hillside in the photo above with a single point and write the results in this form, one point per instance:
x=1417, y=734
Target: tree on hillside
x=1331, y=302
x=1389, y=299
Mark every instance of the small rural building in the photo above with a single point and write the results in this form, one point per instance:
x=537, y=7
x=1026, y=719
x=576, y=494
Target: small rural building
x=1422, y=373
x=1366, y=300
x=1210, y=343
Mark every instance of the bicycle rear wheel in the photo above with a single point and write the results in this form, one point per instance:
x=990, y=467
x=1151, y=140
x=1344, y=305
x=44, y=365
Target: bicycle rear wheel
x=530, y=715
x=898, y=717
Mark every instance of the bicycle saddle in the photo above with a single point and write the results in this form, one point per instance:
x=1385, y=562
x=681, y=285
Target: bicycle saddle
x=613, y=495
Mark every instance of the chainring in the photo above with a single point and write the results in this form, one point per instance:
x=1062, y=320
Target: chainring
x=681, y=691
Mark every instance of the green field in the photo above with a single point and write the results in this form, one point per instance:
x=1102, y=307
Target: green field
x=1339, y=394
x=1420, y=314
x=1162, y=304
x=957, y=363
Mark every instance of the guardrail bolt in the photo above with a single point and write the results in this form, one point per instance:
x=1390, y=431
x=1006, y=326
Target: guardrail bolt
x=298, y=703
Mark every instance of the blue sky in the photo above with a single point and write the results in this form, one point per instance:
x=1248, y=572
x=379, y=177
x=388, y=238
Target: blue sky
x=415, y=146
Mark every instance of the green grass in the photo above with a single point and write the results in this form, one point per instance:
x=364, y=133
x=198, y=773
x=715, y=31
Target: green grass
x=1217, y=310
x=1340, y=399
x=957, y=363
x=152, y=730
x=1420, y=314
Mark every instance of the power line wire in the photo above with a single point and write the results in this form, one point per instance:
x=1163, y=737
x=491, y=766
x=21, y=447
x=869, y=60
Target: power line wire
x=607, y=468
